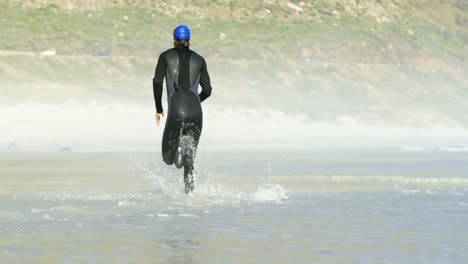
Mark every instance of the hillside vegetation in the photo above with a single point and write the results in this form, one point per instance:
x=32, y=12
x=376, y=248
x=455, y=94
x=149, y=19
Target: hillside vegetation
x=404, y=60
x=386, y=29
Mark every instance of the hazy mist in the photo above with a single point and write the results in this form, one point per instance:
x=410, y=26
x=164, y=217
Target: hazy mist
x=274, y=86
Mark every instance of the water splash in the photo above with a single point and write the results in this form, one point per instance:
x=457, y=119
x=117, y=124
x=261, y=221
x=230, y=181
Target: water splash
x=269, y=193
x=209, y=189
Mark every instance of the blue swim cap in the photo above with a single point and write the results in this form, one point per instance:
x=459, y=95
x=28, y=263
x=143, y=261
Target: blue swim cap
x=182, y=33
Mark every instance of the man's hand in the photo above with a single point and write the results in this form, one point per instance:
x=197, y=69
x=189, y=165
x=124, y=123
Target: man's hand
x=158, y=117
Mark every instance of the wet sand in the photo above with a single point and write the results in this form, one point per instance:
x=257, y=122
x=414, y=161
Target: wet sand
x=253, y=208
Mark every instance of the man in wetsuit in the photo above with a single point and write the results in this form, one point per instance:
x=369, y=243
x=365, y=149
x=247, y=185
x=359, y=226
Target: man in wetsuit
x=183, y=69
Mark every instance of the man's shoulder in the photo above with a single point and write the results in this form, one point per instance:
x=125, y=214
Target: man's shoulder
x=164, y=53
x=197, y=56
x=167, y=51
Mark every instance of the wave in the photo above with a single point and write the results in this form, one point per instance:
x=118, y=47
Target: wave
x=376, y=180
x=452, y=149
x=414, y=149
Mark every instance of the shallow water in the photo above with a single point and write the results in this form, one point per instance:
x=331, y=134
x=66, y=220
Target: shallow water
x=250, y=207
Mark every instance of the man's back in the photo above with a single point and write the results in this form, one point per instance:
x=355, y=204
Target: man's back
x=183, y=69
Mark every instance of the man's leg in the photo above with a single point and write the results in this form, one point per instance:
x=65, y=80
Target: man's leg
x=188, y=175
x=178, y=156
x=189, y=145
x=170, y=140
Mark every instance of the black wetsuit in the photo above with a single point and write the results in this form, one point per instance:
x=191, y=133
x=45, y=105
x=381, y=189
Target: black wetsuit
x=183, y=69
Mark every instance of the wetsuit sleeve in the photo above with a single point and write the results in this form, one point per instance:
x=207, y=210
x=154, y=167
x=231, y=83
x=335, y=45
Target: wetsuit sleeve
x=205, y=83
x=158, y=82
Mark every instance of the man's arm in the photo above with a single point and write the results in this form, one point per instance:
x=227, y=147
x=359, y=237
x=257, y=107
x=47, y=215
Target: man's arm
x=205, y=83
x=159, y=74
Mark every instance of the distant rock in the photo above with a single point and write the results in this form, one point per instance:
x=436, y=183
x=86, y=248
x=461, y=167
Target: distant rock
x=295, y=7
x=101, y=53
x=385, y=19
x=64, y=149
x=346, y=119
x=48, y=53
x=11, y=146
x=222, y=36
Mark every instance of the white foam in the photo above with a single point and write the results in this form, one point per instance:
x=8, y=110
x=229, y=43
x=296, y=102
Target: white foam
x=121, y=199
x=413, y=149
x=188, y=215
x=164, y=215
x=454, y=149
x=126, y=203
x=380, y=179
x=269, y=193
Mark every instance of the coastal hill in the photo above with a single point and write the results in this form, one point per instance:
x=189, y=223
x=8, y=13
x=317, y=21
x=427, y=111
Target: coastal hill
x=391, y=61
x=385, y=29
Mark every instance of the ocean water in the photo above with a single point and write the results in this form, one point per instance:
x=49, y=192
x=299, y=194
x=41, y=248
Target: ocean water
x=288, y=206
